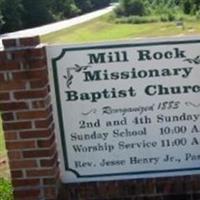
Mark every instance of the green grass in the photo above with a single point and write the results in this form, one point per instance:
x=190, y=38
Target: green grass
x=5, y=184
x=4, y=168
x=103, y=29
x=2, y=143
x=5, y=190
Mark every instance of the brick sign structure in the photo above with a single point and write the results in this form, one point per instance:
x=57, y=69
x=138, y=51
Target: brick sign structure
x=31, y=130
x=26, y=109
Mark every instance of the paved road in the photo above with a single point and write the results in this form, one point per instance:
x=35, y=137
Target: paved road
x=49, y=28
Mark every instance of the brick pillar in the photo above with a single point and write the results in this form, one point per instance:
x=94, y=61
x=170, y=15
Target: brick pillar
x=28, y=125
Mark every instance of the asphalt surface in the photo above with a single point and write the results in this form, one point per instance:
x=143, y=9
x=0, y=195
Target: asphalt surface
x=53, y=27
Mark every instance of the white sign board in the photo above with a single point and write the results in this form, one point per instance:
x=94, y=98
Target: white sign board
x=127, y=110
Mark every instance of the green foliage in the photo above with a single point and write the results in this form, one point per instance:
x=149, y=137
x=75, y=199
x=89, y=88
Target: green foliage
x=198, y=15
x=119, y=11
x=5, y=190
x=187, y=6
x=130, y=7
x=146, y=19
x=190, y=6
x=84, y=6
x=1, y=16
x=162, y=10
x=100, y=3
x=20, y=14
x=1, y=20
x=162, y=7
x=11, y=15
x=137, y=20
x=35, y=14
x=168, y=17
x=65, y=8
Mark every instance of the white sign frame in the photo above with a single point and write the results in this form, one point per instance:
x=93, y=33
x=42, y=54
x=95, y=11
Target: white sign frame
x=57, y=53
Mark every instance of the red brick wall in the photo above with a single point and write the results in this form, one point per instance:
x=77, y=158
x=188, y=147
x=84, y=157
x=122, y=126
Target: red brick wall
x=174, y=188
x=26, y=109
x=28, y=124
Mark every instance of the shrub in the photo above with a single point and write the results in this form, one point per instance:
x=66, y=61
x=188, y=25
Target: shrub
x=130, y=7
x=164, y=18
x=5, y=190
x=187, y=7
x=198, y=15
x=135, y=7
x=119, y=11
x=171, y=17
x=137, y=20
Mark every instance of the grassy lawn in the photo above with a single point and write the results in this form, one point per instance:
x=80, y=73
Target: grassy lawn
x=102, y=29
x=5, y=190
x=4, y=170
x=2, y=144
x=5, y=185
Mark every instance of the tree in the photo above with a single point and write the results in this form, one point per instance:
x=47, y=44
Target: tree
x=1, y=16
x=135, y=7
x=84, y=6
x=196, y=5
x=187, y=6
x=131, y=7
x=36, y=13
x=1, y=20
x=11, y=15
x=100, y=3
x=19, y=14
x=65, y=8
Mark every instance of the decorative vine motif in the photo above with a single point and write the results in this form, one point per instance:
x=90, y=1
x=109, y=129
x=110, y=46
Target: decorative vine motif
x=92, y=111
x=193, y=60
x=78, y=68
x=192, y=104
x=69, y=77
